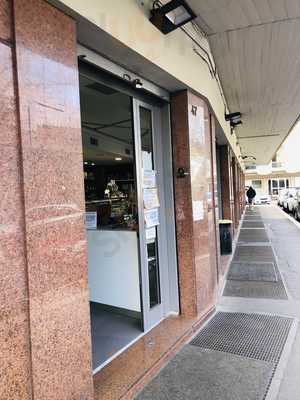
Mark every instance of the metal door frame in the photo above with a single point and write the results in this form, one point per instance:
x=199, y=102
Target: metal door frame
x=151, y=316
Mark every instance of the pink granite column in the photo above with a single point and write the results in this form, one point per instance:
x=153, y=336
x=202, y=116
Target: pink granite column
x=15, y=367
x=215, y=192
x=183, y=205
x=196, y=231
x=201, y=159
x=47, y=79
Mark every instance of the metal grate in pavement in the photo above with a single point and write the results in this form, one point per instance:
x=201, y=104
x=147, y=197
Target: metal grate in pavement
x=256, y=336
x=254, y=254
x=257, y=290
x=253, y=272
x=253, y=224
x=252, y=212
x=252, y=218
x=253, y=236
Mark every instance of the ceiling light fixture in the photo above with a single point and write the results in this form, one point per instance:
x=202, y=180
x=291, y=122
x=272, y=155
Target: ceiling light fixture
x=118, y=158
x=171, y=16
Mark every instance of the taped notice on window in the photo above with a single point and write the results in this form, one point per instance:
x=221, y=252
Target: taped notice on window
x=91, y=220
x=149, y=178
x=151, y=218
x=151, y=198
x=151, y=233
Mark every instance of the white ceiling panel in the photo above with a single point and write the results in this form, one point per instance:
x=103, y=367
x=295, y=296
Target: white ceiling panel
x=256, y=47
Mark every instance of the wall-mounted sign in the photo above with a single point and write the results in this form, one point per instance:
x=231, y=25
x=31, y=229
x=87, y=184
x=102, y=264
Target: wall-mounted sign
x=91, y=220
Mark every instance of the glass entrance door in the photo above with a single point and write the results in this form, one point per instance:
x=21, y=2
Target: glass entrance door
x=151, y=213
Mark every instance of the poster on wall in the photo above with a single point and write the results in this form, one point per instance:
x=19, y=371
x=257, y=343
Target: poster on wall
x=151, y=218
x=198, y=210
x=149, y=178
x=151, y=198
x=91, y=220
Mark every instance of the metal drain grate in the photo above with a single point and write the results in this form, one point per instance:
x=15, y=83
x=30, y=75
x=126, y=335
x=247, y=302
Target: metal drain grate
x=252, y=272
x=254, y=254
x=256, y=290
x=253, y=235
x=253, y=224
x=256, y=336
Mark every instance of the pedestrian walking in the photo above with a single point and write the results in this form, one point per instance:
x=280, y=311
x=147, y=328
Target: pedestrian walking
x=251, y=193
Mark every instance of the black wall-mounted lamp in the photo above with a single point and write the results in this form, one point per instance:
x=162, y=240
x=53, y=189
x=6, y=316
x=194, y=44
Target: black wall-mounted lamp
x=246, y=157
x=171, y=16
x=234, y=118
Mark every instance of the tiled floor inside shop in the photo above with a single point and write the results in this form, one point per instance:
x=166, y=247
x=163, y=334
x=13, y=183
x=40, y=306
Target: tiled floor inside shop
x=111, y=332
x=250, y=348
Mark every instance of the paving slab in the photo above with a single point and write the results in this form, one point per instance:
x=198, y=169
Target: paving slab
x=199, y=374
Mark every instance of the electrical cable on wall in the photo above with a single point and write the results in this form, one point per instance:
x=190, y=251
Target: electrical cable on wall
x=200, y=51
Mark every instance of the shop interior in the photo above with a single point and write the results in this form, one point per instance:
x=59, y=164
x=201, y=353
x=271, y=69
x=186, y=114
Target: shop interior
x=111, y=218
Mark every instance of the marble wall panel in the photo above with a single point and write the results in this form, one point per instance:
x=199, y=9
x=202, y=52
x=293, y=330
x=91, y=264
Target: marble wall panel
x=15, y=368
x=6, y=20
x=47, y=79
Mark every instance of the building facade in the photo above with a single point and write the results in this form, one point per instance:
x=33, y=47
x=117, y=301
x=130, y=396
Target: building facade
x=117, y=164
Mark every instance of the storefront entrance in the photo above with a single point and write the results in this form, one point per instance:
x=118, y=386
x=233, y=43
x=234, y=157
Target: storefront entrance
x=131, y=279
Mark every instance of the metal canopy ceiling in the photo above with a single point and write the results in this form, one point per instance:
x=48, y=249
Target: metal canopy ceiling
x=256, y=47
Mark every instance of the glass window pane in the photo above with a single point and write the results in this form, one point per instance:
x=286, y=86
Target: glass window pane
x=152, y=247
x=153, y=271
x=281, y=183
x=257, y=184
x=275, y=183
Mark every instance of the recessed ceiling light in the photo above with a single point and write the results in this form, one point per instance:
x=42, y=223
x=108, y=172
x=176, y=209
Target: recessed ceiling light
x=118, y=158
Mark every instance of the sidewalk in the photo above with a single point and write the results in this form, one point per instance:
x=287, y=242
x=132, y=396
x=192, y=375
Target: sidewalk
x=250, y=349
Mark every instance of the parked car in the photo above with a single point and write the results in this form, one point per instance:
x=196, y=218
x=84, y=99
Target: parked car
x=283, y=194
x=297, y=208
x=290, y=203
x=262, y=199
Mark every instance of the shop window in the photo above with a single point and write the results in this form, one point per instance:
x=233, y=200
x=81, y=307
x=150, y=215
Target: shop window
x=281, y=183
x=257, y=184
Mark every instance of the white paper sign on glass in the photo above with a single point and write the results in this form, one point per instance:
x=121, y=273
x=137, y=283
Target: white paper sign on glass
x=149, y=178
x=151, y=233
x=91, y=220
x=198, y=210
x=151, y=198
x=151, y=218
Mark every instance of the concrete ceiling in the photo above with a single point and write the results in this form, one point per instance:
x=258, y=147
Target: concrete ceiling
x=256, y=47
